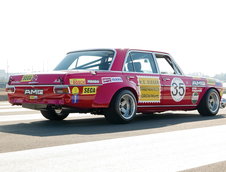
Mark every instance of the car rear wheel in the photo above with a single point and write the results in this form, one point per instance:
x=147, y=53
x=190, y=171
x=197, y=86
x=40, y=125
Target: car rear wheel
x=54, y=114
x=122, y=108
x=210, y=103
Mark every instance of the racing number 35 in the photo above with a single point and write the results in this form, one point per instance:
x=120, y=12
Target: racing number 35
x=178, y=89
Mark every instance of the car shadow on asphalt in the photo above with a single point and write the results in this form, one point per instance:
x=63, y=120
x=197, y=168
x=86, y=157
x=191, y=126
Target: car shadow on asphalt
x=98, y=125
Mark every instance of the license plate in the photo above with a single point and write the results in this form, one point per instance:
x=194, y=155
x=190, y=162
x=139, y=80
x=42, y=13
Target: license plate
x=33, y=92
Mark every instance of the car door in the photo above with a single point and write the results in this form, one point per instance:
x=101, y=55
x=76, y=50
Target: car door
x=176, y=87
x=140, y=69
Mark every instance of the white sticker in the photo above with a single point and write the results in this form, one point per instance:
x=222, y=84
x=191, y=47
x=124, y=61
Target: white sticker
x=93, y=81
x=178, y=89
x=198, y=83
x=106, y=80
x=195, y=98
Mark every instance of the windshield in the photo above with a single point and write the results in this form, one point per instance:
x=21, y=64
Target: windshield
x=87, y=60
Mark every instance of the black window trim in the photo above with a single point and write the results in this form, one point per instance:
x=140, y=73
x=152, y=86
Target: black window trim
x=175, y=66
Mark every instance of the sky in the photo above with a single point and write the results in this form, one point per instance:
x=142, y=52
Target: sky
x=35, y=35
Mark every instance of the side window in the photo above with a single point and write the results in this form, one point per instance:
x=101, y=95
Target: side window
x=140, y=62
x=166, y=65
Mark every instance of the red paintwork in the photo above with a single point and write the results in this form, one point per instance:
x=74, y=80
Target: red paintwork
x=105, y=92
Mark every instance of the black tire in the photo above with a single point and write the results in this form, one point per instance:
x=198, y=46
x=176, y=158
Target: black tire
x=54, y=115
x=122, y=109
x=210, y=103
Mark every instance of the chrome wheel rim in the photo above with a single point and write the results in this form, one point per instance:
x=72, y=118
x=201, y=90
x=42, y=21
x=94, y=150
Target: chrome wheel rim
x=213, y=102
x=127, y=106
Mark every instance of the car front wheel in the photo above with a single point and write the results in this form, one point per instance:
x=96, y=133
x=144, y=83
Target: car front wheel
x=122, y=108
x=54, y=114
x=210, y=103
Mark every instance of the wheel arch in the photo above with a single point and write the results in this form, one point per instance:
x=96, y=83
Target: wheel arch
x=204, y=93
x=101, y=102
x=126, y=88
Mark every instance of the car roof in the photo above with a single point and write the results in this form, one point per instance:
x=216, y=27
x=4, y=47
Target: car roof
x=128, y=49
x=119, y=49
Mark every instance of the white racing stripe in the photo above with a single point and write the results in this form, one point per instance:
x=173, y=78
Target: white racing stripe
x=16, y=110
x=4, y=103
x=10, y=106
x=10, y=118
x=172, y=151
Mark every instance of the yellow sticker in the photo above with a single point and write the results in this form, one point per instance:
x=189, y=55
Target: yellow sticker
x=27, y=78
x=77, y=81
x=89, y=90
x=222, y=91
x=150, y=89
x=33, y=97
x=75, y=90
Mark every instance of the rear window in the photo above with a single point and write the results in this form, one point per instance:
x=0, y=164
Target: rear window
x=87, y=60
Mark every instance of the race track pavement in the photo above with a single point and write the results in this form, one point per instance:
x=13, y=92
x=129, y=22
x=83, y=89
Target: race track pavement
x=186, y=149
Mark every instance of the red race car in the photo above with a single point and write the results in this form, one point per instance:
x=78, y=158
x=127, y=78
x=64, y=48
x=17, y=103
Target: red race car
x=116, y=83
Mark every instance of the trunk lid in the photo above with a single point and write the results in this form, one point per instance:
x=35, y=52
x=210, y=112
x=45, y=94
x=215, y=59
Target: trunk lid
x=50, y=78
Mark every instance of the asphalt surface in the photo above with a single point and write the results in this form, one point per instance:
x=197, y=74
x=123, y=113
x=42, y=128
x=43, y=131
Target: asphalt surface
x=26, y=130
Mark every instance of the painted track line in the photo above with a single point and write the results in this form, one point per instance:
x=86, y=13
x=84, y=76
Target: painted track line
x=4, y=102
x=9, y=106
x=15, y=110
x=37, y=116
x=172, y=151
x=9, y=118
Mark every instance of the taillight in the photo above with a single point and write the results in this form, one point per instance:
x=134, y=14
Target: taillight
x=61, y=90
x=10, y=89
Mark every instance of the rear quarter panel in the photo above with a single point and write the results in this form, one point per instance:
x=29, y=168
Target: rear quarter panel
x=111, y=84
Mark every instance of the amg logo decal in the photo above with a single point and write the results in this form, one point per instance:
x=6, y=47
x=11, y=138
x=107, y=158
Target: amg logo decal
x=33, y=92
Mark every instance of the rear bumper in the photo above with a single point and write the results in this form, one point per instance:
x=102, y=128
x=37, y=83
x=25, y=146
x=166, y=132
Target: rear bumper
x=22, y=100
x=76, y=98
x=51, y=99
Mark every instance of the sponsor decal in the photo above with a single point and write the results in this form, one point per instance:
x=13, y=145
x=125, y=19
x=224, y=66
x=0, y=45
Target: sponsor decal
x=219, y=84
x=106, y=80
x=75, y=90
x=116, y=79
x=93, y=81
x=27, y=78
x=211, y=81
x=198, y=83
x=196, y=89
x=89, y=90
x=178, y=89
x=214, y=82
x=33, y=91
x=221, y=92
x=150, y=89
x=75, y=98
x=33, y=97
x=194, y=98
x=77, y=81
